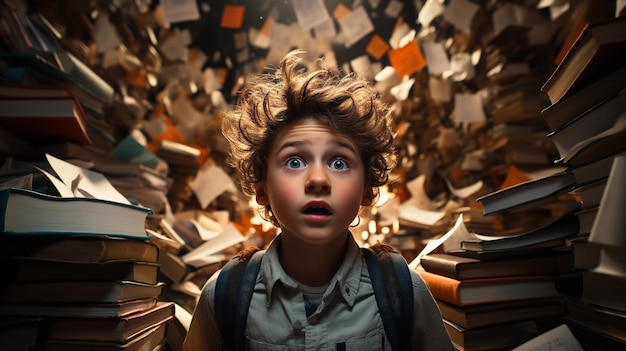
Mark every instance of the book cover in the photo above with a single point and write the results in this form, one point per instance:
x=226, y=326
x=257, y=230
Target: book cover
x=150, y=340
x=46, y=270
x=589, y=97
x=605, y=320
x=598, y=49
x=78, y=310
x=45, y=119
x=604, y=289
x=526, y=192
x=75, y=292
x=490, y=290
x=500, y=312
x=599, y=146
x=78, y=248
x=25, y=211
x=494, y=337
x=565, y=226
x=111, y=329
x=457, y=267
x=601, y=119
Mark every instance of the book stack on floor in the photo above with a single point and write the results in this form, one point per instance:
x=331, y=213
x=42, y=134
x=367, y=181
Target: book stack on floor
x=497, y=294
x=598, y=315
x=588, y=121
x=79, y=273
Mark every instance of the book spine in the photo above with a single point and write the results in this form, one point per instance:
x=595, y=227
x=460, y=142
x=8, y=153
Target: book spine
x=441, y=266
x=4, y=202
x=442, y=288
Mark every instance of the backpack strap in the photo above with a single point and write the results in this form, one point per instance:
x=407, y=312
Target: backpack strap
x=391, y=281
x=233, y=292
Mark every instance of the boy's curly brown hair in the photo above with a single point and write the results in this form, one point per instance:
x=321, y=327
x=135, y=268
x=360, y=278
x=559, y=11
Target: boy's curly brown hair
x=344, y=103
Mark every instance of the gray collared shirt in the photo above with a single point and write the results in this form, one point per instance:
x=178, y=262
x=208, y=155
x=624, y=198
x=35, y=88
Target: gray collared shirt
x=347, y=318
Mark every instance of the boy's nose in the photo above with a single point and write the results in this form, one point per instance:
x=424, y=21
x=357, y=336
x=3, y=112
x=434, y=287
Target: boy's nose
x=318, y=180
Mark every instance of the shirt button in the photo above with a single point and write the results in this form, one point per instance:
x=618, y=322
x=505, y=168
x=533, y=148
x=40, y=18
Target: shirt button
x=298, y=325
x=313, y=320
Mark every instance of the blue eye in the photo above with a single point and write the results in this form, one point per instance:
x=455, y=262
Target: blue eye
x=294, y=163
x=339, y=164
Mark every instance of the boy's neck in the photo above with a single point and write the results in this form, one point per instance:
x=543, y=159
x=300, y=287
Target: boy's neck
x=312, y=265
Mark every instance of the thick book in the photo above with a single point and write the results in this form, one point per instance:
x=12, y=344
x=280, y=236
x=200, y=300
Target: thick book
x=548, y=186
x=46, y=270
x=598, y=120
x=495, y=337
x=589, y=97
x=77, y=310
x=111, y=329
x=604, y=289
x=606, y=320
x=78, y=248
x=457, y=267
x=79, y=292
x=602, y=145
x=527, y=192
x=500, y=312
x=25, y=211
x=45, y=118
x=151, y=340
x=563, y=227
x=598, y=50
x=490, y=290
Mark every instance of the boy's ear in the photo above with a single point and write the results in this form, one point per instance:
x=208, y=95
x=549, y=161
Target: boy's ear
x=368, y=197
x=261, y=195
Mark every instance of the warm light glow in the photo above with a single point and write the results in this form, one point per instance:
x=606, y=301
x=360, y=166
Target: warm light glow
x=372, y=227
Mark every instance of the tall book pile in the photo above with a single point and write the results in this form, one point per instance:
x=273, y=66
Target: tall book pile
x=79, y=273
x=496, y=293
x=588, y=121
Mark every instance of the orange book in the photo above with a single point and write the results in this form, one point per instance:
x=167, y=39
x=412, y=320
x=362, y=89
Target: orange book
x=488, y=290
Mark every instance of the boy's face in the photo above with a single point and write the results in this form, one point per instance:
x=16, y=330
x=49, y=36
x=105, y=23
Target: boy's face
x=315, y=182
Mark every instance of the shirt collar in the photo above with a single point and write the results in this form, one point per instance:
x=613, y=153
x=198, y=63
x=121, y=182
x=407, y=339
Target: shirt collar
x=346, y=280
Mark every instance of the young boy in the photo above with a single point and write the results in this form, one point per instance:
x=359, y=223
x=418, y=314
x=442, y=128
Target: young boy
x=313, y=148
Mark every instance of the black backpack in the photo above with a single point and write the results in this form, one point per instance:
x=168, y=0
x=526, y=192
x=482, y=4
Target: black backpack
x=390, y=277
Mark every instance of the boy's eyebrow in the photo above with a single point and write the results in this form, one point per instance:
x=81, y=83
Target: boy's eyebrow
x=338, y=143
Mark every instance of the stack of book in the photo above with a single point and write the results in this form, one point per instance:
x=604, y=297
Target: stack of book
x=81, y=272
x=206, y=240
x=496, y=293
x=588, y=125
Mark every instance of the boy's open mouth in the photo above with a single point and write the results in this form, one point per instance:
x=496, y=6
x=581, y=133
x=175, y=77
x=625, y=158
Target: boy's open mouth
x=316, y=210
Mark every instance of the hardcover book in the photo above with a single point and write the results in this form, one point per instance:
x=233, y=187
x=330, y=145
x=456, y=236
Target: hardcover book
x=25, y=211
x=490, y=290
